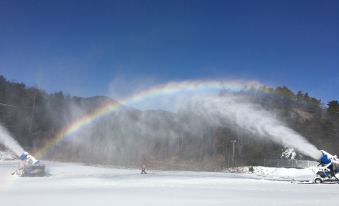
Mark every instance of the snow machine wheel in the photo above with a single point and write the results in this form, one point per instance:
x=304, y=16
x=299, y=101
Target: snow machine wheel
x=318, y=180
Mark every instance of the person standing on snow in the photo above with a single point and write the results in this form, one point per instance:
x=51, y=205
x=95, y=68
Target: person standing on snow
x=143, y=169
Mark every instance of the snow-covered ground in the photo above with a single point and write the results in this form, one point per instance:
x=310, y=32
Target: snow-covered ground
x=76, y=184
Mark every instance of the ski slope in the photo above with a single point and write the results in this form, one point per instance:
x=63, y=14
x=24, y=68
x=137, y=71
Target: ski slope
x=77, y=184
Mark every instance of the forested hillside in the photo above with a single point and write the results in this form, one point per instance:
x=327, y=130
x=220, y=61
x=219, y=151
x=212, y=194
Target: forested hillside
x=33, y=116
x=159, y=138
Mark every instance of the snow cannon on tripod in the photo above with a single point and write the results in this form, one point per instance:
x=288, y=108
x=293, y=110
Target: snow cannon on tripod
x=29, y=166
x=328, y=169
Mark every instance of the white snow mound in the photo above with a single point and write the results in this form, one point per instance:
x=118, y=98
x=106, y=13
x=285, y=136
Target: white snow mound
x=7, y=156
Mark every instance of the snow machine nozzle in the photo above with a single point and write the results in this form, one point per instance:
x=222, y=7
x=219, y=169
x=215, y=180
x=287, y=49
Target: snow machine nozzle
x=327, y=158
x=23, y=156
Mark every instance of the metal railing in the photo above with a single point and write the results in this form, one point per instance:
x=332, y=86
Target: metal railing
x=289, y=163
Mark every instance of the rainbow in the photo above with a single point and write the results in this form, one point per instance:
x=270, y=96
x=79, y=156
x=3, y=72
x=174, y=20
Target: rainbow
x=163, y=89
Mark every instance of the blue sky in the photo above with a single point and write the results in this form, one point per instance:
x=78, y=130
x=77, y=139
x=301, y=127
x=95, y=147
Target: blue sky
x=79, y=47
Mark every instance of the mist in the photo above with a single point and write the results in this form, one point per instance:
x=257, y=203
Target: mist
x=181, y=127
x=238, y=112
x=9, y=142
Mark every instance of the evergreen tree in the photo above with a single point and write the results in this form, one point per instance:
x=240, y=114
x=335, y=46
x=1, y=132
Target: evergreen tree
x=333, y=107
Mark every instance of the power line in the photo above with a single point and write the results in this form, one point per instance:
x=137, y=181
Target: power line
x=13, y=106
x=7, y=105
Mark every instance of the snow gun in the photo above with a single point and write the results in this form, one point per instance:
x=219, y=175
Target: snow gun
x=29, y=166
x=328, y=168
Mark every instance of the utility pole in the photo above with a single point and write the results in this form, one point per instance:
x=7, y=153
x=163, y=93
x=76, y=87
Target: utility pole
x=181, y=143
x=233, y=151
x=33, y=110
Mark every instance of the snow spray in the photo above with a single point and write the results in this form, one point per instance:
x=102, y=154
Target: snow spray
x=239, y=113
x=10, y=142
